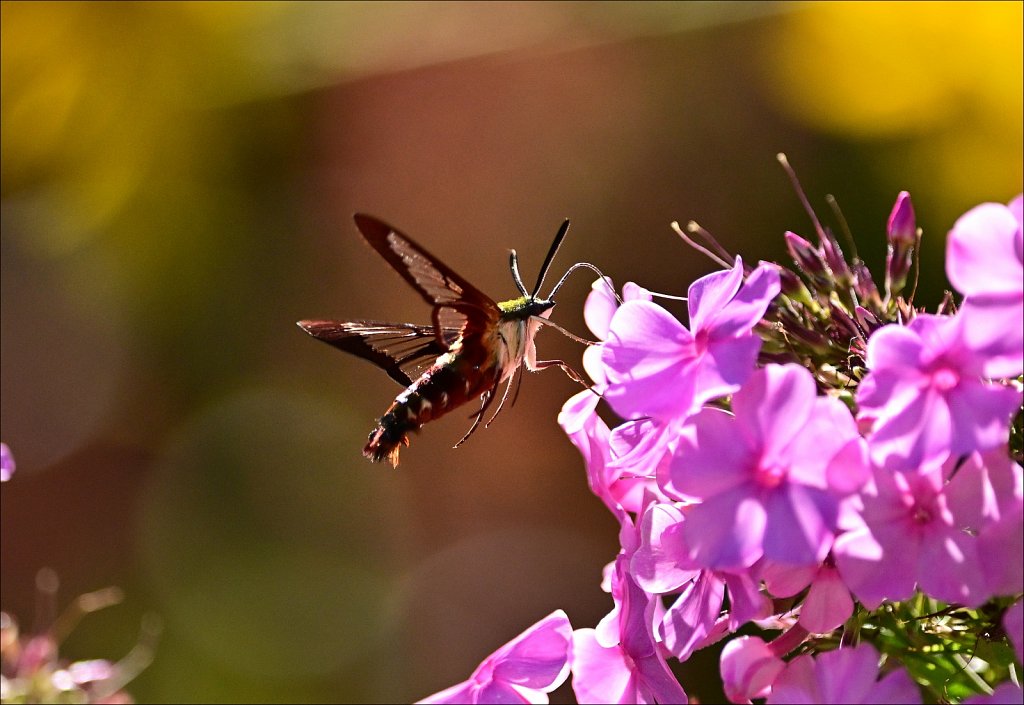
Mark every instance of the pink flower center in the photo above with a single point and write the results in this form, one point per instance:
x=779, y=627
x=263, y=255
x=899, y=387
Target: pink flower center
x=770, y=475
x=945, y=378
x=700, y=341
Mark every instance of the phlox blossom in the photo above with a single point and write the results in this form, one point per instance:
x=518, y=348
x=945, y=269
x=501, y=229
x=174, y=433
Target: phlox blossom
x=1008, y=693
x=656, y=367
x=661, y=565
x=919, y=530
x=748, y=667
x=769, y=479
x=927, y=397
x=828, y=602
x=847, y=675
x=6, y=463
x=524, y=670
x=985, y=262
x=1013, y=623
x=632, y=670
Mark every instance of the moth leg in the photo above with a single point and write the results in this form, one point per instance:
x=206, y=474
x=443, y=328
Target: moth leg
x=486, y=399
x=575, y=376
x=517, y=375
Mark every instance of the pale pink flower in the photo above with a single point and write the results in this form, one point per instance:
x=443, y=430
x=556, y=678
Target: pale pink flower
x=524, y=670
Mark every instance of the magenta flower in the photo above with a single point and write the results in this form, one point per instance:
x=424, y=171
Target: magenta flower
x=842, y=676
x=828, y=602
x=6, y=463
x=661, y=565
x=927, y=397
x=917, y=529
x=748, y=667
x=769, y=479
x=633, y=670
x=1008, y=693
x=656, y=367
x=985, y=262
x=524, y=670
x=1013, y=623
x=615, y=485
x=1001, y=529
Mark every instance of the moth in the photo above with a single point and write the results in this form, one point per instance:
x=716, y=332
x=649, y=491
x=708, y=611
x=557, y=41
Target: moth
x=472, y=345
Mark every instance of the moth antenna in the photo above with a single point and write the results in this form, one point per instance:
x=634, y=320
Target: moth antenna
x=551, y=256
x=513, y=262
x=586, y=265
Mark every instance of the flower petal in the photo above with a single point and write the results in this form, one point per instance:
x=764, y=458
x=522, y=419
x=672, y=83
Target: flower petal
x=710, y=294
x=600, y=675
x=646, y=358
x=726, y=531
x=661, y=563
x=774, y=406
x=539, y=657
x=741, y=314
x=828, y=603
x=982, y=254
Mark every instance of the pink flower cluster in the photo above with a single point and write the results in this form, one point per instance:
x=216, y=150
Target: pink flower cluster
x=749, y=488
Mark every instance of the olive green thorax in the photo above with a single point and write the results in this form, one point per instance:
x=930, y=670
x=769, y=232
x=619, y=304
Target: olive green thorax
x=524, y=307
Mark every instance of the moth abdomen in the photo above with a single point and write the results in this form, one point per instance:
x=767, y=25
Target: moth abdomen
x=439, y=390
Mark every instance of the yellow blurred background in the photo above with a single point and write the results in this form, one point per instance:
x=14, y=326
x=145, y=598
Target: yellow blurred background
x=178, y=181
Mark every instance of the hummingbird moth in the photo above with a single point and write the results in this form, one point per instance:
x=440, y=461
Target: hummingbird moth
x=472, y=345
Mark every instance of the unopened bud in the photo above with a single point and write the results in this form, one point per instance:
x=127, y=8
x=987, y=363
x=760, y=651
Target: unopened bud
x=902, y=227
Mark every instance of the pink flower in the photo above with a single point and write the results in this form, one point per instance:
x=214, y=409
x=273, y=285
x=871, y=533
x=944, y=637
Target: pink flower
x=656, y=367
x=632, y=670
x=748, y=667
x=661, y=565
x=1013, y=623
x=927, y=397
x=524, y=670
x=985, y=262
x=1001, y=530
x=915, y=529
x=828, y=603
x=842, y=676
x=769, y=479
x=1008, y=693
x=6, y=463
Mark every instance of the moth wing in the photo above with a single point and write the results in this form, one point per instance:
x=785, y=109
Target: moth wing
x=403, y=350
x=437, y=283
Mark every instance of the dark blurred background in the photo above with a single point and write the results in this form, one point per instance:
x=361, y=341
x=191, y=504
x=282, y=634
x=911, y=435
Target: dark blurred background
x=178, y=186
